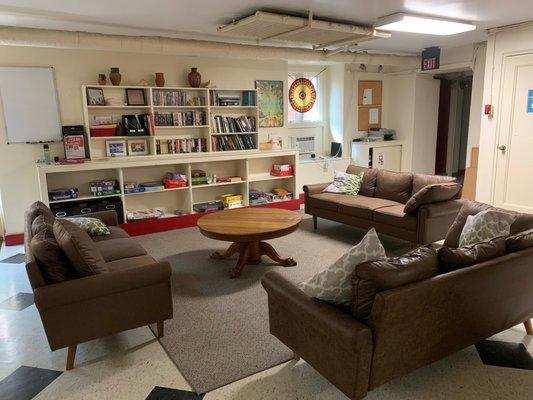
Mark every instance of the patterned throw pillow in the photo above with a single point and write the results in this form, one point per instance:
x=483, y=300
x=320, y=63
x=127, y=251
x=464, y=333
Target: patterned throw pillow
x=93, y=226
x=485, y=226
x=345, y=183
x=334, y=284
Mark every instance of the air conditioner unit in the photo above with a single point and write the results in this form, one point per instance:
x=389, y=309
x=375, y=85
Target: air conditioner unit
x=305, y=144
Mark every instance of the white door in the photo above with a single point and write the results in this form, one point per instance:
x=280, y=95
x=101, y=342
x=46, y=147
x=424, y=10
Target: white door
x=514, y=160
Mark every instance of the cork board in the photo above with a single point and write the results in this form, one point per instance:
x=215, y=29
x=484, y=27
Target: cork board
x=363, y=117
x=369, y=93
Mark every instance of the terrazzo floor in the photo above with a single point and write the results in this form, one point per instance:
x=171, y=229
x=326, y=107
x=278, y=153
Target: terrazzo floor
x=132, y=365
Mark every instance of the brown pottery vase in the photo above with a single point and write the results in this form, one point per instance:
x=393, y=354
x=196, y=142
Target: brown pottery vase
x=194, y=77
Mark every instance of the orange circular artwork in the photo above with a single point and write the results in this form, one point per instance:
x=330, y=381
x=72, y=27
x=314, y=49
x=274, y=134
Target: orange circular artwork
x=302, y=95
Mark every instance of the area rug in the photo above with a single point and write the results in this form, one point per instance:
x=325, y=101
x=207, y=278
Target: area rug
x=219, y=333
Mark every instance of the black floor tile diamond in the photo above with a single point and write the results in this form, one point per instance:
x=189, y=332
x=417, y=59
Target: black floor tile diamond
x=26, y=382
x=504, y=354
x=18, y=302
x=162, y=393
x=18, y=258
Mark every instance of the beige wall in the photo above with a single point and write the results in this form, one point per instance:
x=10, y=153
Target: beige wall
x=18, y=179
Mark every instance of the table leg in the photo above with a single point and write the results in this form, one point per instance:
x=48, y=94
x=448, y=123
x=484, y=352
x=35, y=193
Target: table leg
x=243, y=258
x=232, y=249
x=270, y=252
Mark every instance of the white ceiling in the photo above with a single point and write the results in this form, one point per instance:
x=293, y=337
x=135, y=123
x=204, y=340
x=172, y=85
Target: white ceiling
x=200, y=18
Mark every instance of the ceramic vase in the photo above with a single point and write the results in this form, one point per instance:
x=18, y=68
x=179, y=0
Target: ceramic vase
x=115, y=76
x=194, y=77
x=102, y=79
x=159, y=79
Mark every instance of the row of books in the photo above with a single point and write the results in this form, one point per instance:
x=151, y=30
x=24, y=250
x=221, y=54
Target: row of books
x=184, y=118
x=247, y=99
x=175, y=98
x=178, y=146
x=223, y=124
x=232, y=142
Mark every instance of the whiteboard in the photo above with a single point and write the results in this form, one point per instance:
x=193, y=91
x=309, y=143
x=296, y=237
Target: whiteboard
x=29, y=103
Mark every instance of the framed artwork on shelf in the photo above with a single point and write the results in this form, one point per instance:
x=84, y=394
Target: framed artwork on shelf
x=135, y=97
x=137, y=147
x=270, y=103
x=116, y=148
x=95, y=96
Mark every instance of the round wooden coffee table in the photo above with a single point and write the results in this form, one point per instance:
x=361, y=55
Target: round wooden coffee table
x=247, y=228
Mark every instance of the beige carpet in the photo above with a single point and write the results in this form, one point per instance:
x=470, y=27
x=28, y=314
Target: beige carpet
x=219, y=333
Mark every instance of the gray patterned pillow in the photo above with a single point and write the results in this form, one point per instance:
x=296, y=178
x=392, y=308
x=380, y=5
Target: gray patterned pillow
x=334, y=284
x=93, y=226
x=345, y=183
x=485, y=226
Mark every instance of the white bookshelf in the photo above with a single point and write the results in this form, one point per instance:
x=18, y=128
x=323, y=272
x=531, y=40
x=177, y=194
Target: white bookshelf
x=117, y=94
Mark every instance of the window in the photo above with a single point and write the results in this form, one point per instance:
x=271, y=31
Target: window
x=315, y=113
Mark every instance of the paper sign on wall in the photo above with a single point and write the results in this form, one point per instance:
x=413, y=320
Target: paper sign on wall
x=530, y=101
x=367, y=96
x=373, y=116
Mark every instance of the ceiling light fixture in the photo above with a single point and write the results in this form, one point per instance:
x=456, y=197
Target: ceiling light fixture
x=419, y=24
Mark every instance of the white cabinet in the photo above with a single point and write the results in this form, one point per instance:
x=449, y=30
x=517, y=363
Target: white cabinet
x=381, y=155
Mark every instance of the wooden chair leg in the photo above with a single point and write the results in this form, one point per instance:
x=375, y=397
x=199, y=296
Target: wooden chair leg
x=71, y=356
x=160, y=329
x=295, y=356
x=529, y=327
x=315, y=222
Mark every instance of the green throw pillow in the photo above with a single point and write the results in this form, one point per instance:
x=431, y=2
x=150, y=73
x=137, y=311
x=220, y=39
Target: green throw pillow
x=345, y=183
x=353, y=183
x=93, y=226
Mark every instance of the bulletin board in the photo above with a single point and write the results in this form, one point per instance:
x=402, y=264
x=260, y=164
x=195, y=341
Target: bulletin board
x=369, y=97
x=366, y=117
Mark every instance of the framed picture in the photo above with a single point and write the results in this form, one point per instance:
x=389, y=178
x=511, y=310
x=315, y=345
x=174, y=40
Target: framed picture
x=135, y=97
x=137, y=147
x=270, y=103
x=95, y=96
x=116, y=148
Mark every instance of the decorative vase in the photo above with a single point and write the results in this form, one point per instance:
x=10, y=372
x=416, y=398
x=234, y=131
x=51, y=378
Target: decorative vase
x=102, y=79
x=194, y=77
x=115, y=76
x=159, y=79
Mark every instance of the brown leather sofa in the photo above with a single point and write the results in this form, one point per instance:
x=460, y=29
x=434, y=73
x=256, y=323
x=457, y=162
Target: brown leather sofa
x=380, y=204
x=409, y=326
x=135, y=291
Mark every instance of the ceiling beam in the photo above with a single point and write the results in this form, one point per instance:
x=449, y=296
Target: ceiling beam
x=374, y=35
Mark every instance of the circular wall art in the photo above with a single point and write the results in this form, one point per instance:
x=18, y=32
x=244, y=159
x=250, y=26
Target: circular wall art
x=302, y=95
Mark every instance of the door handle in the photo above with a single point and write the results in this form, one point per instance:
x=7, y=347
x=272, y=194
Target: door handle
x=502, y=147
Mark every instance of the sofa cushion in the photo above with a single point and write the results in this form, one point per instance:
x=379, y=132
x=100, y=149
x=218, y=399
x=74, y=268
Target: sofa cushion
x=362, y=206
x=486, y=225
x=333, y=284
x=130, y=262
x=451, y=259
x=395, y=216
x=519, y=241
x=522, y=223
x=42, y=223
x=325, y=201
x=52, y=262
x=79, y=248
x=39, y=208
x=114, y=233
x=345, y=183
x=115, y=249
x=421, y=180
x=373, y=277
x=370, y=175
x=396, y=186
x=432, y=193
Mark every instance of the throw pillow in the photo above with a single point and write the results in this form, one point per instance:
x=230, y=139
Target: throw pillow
x=520, y=241
x=93, y=226
x=53, y=263
x=485, y=226
x=431, y=194
x=451, y=259
x=345, y=183
x=371, y=278
x=42, y=223
x=79, y=248
x=333, y=284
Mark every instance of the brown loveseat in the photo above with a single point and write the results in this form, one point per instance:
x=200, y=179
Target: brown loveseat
x=409, y=326
x=135, y=290
x=380, y=204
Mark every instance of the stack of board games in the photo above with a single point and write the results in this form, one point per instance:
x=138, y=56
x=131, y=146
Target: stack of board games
x=104, y=187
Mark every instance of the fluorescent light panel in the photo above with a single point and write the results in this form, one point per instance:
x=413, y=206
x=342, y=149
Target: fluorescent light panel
x=417, y=24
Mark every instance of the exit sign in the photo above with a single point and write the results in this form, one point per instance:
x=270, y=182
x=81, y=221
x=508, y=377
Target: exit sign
x=431, y=58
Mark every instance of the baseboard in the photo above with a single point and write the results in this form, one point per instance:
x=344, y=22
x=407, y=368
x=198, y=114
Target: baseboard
x=14, y=239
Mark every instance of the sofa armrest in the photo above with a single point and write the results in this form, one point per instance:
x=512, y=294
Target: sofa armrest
x=109, y=217
x=99, y=285
x=315, y=188
x=331, y=340
x=435, y=219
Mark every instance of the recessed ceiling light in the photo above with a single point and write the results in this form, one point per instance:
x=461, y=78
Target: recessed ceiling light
x=418, y=24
